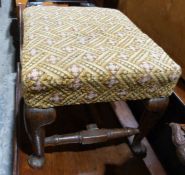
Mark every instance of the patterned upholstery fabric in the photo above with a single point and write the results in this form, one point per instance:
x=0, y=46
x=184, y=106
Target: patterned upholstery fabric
x=74, y=55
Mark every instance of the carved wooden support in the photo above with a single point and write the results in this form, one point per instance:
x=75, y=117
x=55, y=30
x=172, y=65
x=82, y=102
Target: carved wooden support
x=178, y=138
x=90, y=136
x=154, y=110
x=35, y=120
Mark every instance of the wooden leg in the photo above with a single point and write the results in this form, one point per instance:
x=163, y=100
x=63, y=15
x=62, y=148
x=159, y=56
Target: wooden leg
x=154, y=110
x=35, y=120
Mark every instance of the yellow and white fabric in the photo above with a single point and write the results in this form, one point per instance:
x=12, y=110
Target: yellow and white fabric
x=74, y=55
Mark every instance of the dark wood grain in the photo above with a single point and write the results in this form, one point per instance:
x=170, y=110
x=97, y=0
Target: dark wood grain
x=35, y=122
x=125, y=116
x=152, y=114
x=109, y=158
x=17, y=122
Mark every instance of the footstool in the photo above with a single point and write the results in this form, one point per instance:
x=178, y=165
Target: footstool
x=81, y=55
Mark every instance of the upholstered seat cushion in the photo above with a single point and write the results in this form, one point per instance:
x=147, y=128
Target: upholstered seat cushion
x=74, y=55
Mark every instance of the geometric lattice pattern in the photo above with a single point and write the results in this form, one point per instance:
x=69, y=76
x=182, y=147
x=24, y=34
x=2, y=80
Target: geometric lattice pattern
x=74, y=55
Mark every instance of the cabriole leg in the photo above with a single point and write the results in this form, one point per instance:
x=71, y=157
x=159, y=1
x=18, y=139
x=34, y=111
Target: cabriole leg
x=35, y=120
x=154, y=110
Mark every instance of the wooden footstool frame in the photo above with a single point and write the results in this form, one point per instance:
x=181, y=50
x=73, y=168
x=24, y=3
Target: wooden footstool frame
x=36, y=119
